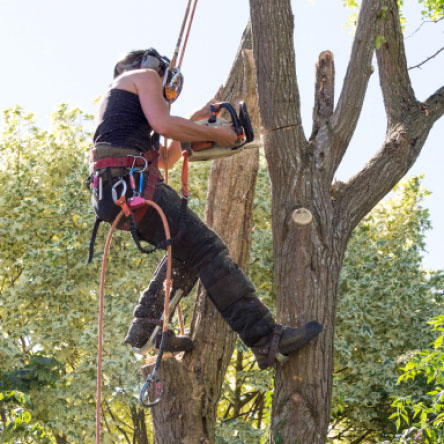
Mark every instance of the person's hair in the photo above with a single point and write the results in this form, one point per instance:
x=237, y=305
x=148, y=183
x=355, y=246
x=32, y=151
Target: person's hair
x=145, y=58
x=132, y=59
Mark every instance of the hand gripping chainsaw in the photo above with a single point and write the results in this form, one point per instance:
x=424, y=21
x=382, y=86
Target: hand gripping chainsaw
x=200, y=151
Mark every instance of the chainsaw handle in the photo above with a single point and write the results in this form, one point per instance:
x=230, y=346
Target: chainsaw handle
x=234, y=118
x=213, y=114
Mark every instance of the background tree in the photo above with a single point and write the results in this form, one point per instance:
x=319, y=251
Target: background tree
x=419, y=413
x=48, y=303
x=385, y=301
x=308, y=258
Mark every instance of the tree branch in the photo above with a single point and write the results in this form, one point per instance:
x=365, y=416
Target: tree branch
x=273, y=47
x=401, y=148
x=434, y=105
x=397, y=90
x=422, y=24
x=427, y=59
x=362, y=437
x=324, y=91
x=409, y=123
x=359, y=70
x=356, y=198
x=279, y=102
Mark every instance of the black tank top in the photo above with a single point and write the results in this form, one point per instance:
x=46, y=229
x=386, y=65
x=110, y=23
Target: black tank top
x=120, y=122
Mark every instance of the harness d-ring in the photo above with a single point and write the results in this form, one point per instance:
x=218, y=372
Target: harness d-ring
x=145, y=167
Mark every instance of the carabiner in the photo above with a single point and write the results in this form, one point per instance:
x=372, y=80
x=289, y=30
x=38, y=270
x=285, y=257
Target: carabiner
x=182, y=195
x=114, y=190
x=133, y=167
x=144, y=392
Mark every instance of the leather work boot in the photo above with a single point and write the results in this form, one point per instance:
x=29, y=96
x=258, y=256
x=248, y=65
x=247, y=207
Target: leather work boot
x=174, y=343
x=137, y=337
x=282, y=342
x=147, y=323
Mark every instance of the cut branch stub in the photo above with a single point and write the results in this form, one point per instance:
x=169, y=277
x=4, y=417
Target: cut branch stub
x=301, y=216
x=324, y=90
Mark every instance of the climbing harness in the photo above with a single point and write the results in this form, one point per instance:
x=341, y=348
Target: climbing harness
x=109, y=163
x=241, y=124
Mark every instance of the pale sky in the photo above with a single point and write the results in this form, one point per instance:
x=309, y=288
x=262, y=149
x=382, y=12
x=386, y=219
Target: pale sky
x=59, y=51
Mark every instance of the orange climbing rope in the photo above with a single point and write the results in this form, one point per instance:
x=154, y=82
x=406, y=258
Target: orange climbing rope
x=187, y=34
x=167, y=288
x=175, y=68
x=182, y=29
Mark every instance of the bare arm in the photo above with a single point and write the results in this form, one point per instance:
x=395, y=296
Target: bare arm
x=149, y=88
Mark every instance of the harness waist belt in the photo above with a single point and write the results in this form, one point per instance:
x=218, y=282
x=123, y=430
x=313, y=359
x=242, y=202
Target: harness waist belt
x=118, y=162
x=106, y=156
x=102, y=149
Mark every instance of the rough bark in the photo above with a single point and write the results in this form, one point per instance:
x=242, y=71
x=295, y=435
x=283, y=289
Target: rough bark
x=308, y=256
x=192, y=384
x=140, y=435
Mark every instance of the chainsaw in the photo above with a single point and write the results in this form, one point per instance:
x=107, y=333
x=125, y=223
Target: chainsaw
x=241, y=124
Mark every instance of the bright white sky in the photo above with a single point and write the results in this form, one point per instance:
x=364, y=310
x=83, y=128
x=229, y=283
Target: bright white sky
x=60, y=51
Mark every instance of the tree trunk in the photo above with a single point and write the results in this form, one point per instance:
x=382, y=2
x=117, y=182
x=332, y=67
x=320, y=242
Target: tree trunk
x=313, y=218
x=140, y=435
x=238, y=385
x=192, y=385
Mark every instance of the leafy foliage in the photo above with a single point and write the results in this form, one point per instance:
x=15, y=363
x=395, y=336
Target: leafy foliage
x=433, y=9
x=246, y=401
x=16, y=424
x=419, y=413
x=48, y=304
x=386, y=299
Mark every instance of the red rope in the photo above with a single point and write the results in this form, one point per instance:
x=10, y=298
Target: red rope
x=179, y=41
x=187, y=34
x=167, y=286
x=185, y=175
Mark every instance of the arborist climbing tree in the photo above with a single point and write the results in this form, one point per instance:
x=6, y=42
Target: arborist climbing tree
x=132, y=114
